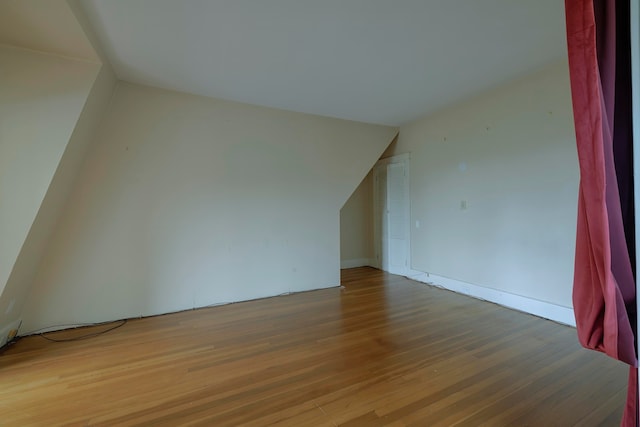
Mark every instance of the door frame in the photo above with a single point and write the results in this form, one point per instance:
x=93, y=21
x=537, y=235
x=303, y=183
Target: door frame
x=378, y=218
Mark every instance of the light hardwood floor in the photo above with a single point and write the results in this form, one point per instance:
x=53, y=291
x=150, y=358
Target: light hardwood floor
x=382, y=351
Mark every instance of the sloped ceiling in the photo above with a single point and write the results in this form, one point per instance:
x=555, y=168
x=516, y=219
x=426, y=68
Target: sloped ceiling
x=376, y=61
x=44, y=25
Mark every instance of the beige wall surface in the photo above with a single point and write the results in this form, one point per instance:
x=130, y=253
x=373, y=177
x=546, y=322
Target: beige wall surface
x=356, y=223
x=494, y=187
x=41, y=97
x=22, y=276
x=185, y=201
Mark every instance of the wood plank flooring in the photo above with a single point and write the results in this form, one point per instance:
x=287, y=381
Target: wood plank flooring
x=382, y=351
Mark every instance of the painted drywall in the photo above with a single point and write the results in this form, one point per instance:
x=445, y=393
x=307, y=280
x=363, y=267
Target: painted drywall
x=494, y=187
x=19, y=284
x=45, y=26
x=185, y=201
x=356, y=226
x=41, y=97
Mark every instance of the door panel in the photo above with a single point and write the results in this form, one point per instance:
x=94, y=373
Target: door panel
x=396, y=217
x=392, y=214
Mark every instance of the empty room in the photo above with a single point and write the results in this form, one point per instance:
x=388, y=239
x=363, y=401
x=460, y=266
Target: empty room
x=318, y=213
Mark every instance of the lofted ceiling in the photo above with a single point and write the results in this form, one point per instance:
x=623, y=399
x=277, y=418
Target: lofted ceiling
x=44, y=25
x=376, y=61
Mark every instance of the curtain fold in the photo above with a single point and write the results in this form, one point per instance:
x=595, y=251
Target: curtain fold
x=604, y=284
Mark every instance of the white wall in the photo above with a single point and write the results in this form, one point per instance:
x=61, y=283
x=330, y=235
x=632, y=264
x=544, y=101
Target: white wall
x=41, y=100
x=509, y=154
x=41, y=97
x=356, y=226
x=19, y=283
x=186, y=201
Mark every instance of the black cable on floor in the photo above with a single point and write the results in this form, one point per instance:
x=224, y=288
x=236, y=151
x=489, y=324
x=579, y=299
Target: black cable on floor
x=83, y=337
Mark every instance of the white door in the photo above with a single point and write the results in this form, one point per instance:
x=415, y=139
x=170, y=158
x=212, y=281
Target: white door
x=392, y=214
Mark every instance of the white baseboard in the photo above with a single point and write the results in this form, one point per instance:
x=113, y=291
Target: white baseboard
x=539, y=308
x=359, y=262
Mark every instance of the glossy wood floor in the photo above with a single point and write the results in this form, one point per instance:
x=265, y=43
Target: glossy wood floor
x=382, y=351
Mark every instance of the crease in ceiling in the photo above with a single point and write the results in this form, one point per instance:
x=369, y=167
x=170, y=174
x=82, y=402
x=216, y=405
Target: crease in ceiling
x=366, y=60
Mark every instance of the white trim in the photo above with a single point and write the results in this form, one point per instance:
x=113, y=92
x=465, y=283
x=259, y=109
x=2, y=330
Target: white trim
x=394, y=159
x=358, y=262
x=536, y=307
x=377, y=220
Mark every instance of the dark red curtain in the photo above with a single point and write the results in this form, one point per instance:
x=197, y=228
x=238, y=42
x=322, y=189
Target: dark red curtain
x=598, y=38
